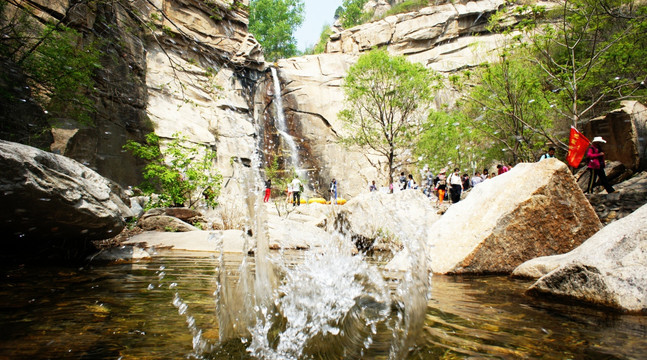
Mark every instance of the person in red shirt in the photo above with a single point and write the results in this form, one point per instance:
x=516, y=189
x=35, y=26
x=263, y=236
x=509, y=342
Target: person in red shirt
x=501, y=169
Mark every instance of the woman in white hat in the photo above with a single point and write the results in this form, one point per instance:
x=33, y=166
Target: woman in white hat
x=596, y=165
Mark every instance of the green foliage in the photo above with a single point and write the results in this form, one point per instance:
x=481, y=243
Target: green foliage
x=407, y=6
x=323, y=40
x=182, y=172
x=352, y=13
x=384, y=95
x=273, y=23
x=511, y=107
x=592, y=53
x=451, y=140
x=58, y=62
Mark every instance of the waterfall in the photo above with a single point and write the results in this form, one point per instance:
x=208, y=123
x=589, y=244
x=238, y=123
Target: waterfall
x=281, y=126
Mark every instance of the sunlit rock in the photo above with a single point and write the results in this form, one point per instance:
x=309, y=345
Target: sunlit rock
x=625, y=132
x=120, y=255
x=533, y=210
x=164, y=223
x=609, y=269
x=232, y=241
x=382, y=221
x=50, y=197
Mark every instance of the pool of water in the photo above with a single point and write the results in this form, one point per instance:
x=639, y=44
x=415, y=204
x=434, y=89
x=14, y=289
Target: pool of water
x=151, y=310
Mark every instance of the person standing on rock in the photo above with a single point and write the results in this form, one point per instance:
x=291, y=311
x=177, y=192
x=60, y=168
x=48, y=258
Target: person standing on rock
x=595, y=157
x=456, y=186
x=268, y=190
x=333, y=191
x=372, y=187
x=296, y=191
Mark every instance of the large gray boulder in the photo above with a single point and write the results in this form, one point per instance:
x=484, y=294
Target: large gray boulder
x=533, y=210
x=48, y=197
x=609, y=269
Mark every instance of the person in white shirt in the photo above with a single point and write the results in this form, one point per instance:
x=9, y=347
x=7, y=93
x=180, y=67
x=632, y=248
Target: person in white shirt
x=456, y=186
x=296, y=191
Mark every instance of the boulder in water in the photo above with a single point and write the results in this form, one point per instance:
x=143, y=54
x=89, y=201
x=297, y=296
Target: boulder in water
x=609, y=269
x=55, y=201
x=533, y=210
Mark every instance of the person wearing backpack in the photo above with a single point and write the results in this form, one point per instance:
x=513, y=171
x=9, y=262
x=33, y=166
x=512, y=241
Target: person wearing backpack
x=595, y=163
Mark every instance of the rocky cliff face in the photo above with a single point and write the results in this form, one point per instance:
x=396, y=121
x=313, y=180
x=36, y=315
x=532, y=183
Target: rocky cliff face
x=446, y=38
x=168, y=66
x=190, y=66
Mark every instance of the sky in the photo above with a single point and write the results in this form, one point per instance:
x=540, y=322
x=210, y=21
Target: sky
x=318, y=13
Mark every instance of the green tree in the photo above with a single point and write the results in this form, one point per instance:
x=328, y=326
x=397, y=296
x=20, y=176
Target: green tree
x=273, y=23
x=450, y=140
x=183, y=172
x=352, y=13
x=511, y=107
x=58, y=63
x=593, y=53
x=384, y=95
x=320, y=47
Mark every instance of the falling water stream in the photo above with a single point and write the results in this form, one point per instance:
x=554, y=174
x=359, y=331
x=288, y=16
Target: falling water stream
x=281, y=125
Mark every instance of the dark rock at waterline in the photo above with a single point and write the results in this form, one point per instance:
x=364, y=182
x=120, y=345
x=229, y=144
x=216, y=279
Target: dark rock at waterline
x=50, y=202
x=609, y=269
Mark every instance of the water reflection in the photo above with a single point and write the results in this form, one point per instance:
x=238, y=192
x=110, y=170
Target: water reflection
x=128, y=312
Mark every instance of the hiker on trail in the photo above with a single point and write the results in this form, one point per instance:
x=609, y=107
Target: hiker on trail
x=595, y=157
x=476, y=179
x=297, y=187
x=441, y=185
x=411, y=184
x=333, y=191
x=549, y=155
x=403, y=181
x=372, y=187
x=466, y=182
x=268, y=190
x=456, y=186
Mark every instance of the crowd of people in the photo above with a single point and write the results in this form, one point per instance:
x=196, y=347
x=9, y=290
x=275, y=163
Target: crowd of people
x=447, y=187
x=450, y=187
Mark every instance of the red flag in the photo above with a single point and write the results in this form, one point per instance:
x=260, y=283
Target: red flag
x=577, y=145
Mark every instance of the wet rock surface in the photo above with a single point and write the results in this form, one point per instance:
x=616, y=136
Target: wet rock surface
x=609, y=269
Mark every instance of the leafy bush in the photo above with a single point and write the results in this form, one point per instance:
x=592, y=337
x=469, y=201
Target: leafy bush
x=181, y=171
